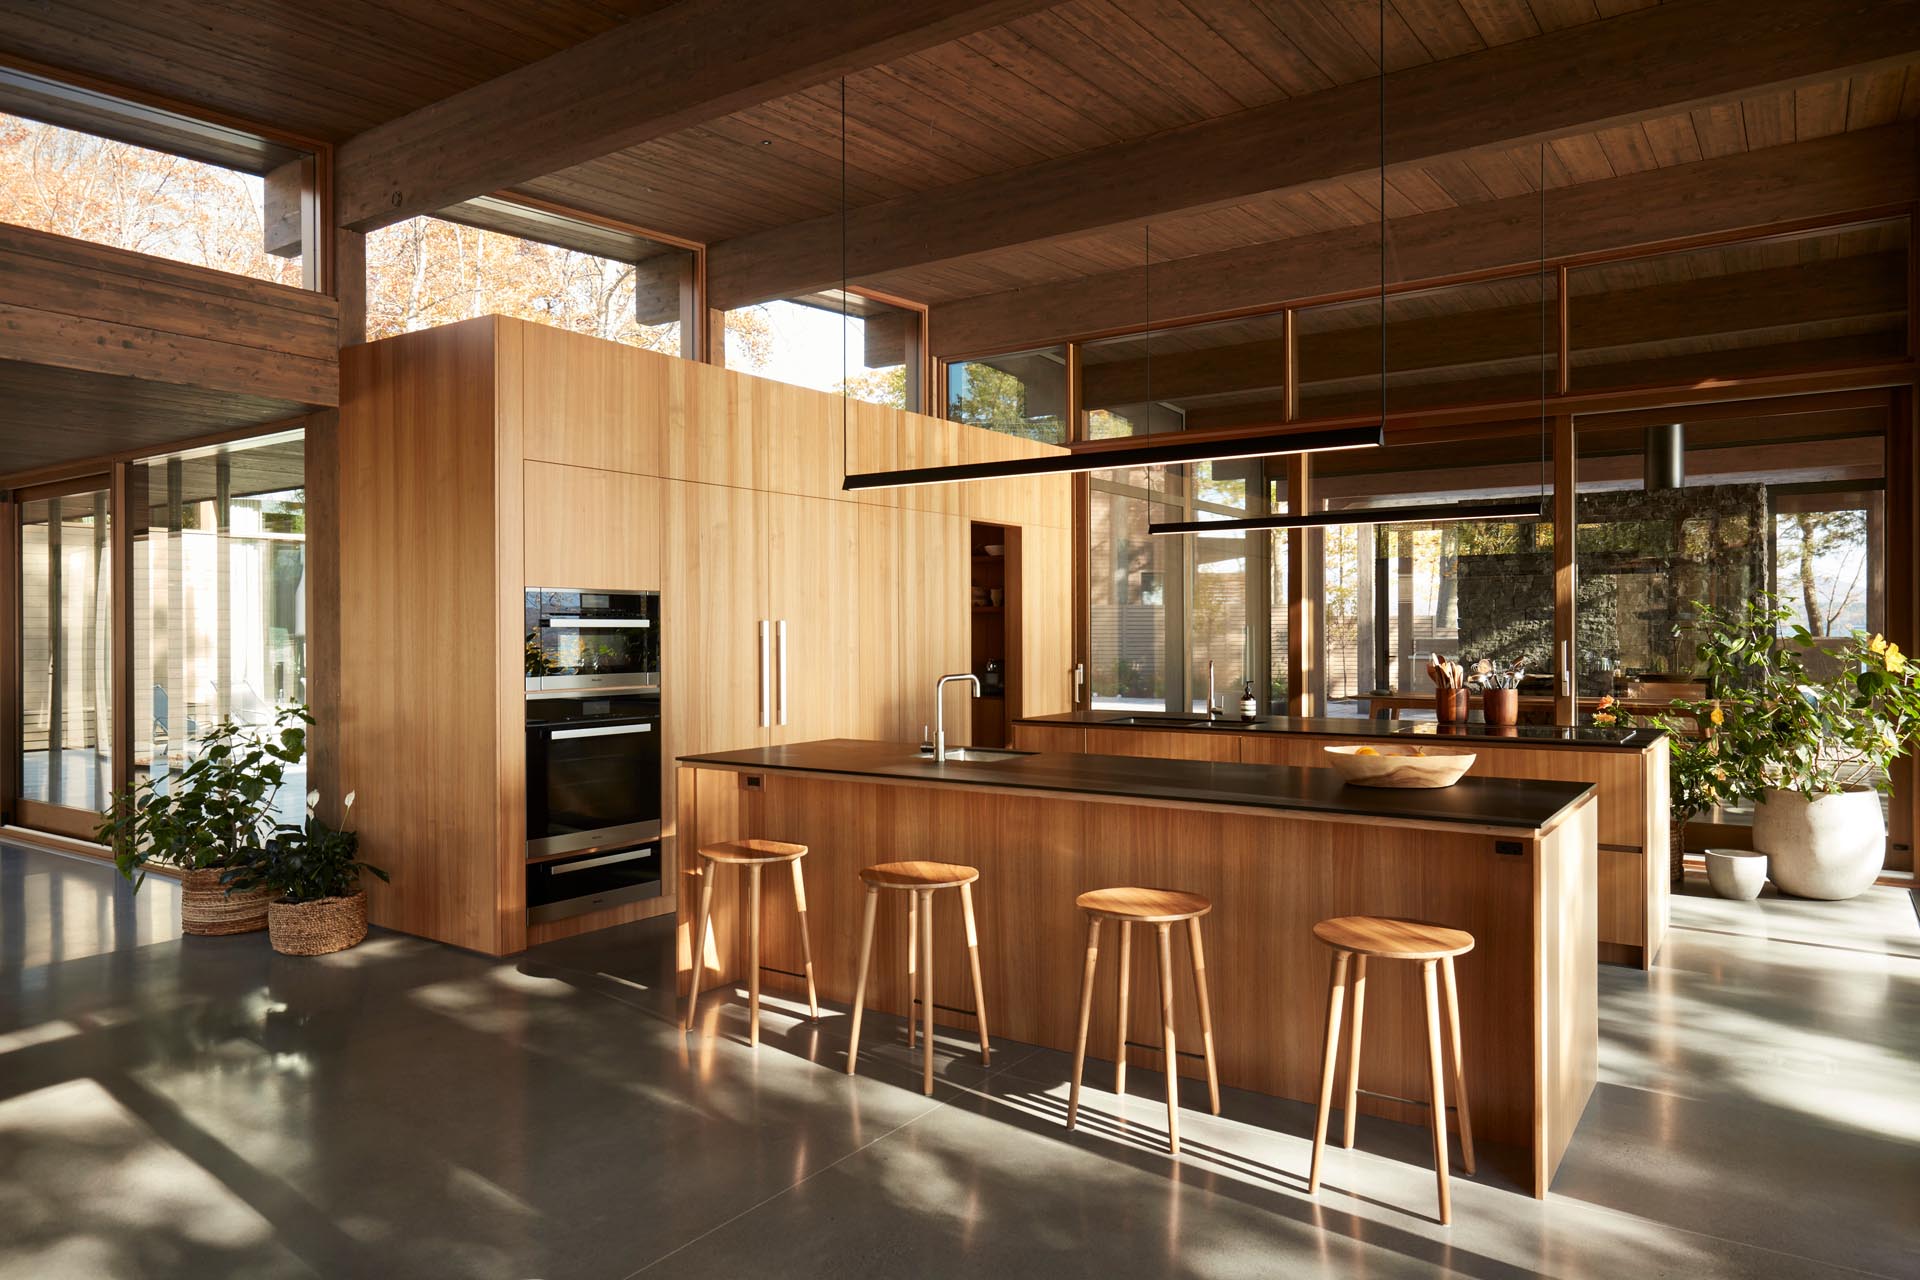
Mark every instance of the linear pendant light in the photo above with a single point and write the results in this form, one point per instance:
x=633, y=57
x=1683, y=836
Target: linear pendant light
x=1161, y=453
x=1425, y=513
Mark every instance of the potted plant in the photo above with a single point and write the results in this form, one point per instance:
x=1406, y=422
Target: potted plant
x=1812, y=753
x=1697, y=778
x=208, y=817
x=311, y=876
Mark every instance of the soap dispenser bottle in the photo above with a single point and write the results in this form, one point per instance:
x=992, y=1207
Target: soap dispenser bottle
x=1249, y=705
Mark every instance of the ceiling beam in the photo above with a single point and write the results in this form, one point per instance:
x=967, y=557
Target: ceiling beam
x=1631, y=323
x=1646, y=63
x=1871, y=169
x=684, y=65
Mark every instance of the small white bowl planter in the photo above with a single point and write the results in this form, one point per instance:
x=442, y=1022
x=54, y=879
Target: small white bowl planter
x=1739, y=874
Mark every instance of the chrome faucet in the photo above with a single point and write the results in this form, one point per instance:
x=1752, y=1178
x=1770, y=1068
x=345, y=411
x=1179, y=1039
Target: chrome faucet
x=1214, y=710
x=940, y=710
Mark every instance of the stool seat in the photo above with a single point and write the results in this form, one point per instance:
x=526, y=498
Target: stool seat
x=752, y=853
x=1391, y=939
x=1146, y=906
x=919, y=875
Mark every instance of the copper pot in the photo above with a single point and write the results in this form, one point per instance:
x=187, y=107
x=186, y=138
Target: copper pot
x=1500, y=706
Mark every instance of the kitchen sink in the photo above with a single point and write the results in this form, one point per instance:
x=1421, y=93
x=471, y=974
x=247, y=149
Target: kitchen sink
x=1171, y=722
x=983, y=754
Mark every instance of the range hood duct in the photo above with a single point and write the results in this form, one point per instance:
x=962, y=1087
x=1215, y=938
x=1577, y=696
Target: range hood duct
x=1666, y=465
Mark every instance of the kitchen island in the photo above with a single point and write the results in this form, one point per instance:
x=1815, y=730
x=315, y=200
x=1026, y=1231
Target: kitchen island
x=1627, y=767
x=1275, y=848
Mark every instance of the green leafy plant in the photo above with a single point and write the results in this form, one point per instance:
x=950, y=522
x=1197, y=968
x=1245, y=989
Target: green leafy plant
x=1770, y=724
x=215, y=811
x=307, y=861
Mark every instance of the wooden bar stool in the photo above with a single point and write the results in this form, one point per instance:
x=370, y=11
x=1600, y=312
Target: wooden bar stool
x=1161, y=908
x=921, y=880
x=754, y=855
x=1354, y=939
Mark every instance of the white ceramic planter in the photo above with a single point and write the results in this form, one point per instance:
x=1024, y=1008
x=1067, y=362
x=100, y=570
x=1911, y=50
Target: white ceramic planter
x=1827, y=847
x=1739, y=874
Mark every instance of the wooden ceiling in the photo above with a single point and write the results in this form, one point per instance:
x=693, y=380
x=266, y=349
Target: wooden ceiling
x=324, y=70
x=1028, y=88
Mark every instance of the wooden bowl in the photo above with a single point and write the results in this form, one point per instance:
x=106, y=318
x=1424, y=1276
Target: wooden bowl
x=1399, y=765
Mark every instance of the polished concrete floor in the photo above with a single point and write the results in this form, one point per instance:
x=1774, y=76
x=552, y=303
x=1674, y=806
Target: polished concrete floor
x=203, y=1108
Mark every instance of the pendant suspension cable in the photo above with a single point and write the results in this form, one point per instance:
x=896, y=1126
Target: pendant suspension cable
x=846, y=461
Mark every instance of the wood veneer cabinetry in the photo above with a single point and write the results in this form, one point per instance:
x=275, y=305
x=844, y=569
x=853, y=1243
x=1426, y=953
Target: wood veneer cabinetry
x=1631, y=817
x=483, y=457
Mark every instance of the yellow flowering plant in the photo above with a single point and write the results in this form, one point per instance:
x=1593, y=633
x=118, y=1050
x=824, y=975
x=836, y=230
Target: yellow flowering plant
x=1771, y=724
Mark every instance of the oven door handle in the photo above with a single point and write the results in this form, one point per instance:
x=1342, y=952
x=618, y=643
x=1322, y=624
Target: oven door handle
x=605, y=860
x=602, y=731
x=622, y=623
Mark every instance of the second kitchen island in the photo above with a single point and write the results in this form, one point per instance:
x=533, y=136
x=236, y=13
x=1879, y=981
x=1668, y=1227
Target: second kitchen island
x=1275, y=848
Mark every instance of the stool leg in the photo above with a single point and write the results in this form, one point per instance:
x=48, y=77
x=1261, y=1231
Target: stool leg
x=1459, y=1067
x=753, y=955
x=1359, y=984
x=1336, y=990
x=973, y=959
x=1206, y=1010
x=926, y=991
x=913, y=966
x=806, y=943
x=700, y=941
x=1123, y=1009
x=1086, y=1011
x=860, y=984
x=1438, y=1090
x=1168, y=1047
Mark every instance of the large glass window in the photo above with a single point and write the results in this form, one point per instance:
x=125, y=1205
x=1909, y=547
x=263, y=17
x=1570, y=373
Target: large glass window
x=1024, y=394
x=433, y=271
x=834, y=341
x=1478, y=343
x=1394, y=594
x=219, y=597
x=1715, y=511
x=132, y=197
x=1785, y=302
x=66, y=647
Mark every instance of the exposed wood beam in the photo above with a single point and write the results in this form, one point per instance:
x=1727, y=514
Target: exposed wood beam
x=680, y=66
x=1871, y=169
x=1621, y=324
x=1650, y=62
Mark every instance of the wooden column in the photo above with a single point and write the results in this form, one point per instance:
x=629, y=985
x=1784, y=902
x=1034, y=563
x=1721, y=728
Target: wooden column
x=1566, y=690
x=11, y=583
x=350, y=285
x=1306, y=568
x=127, y=500
x=1903, y=603
x=1081, y=588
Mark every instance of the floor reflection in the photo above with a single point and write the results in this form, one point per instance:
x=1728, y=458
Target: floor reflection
x=202, y=1107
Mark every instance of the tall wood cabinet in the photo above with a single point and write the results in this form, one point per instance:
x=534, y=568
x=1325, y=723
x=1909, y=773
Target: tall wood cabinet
x=483, y=457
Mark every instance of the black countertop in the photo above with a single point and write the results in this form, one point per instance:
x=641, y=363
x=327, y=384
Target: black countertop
x=1497, y=802
x=1524, y=735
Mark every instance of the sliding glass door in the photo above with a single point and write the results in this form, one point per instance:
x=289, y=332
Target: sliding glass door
x=64, y=743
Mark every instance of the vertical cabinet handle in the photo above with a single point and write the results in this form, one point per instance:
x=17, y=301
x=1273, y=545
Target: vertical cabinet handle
x=780, y=633
x=766, y=678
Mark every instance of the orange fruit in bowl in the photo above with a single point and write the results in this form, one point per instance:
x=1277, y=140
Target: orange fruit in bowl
x=1366, y=751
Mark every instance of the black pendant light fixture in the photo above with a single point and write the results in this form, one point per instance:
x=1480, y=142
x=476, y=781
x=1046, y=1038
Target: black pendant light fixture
x=1424, y=513
x=1099, y=455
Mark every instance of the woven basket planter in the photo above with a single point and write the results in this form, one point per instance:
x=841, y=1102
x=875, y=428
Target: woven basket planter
x=318, y=927
x=1676, y=851
x=207, y=909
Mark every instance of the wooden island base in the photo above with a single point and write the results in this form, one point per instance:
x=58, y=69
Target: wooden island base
x=1527, y=990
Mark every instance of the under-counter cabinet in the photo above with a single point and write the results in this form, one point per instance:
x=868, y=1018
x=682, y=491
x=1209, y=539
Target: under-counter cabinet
x=496, y=453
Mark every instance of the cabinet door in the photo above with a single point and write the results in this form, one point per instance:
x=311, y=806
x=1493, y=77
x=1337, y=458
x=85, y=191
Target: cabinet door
x=814, y=571
x=935, y=618
x=712, y=601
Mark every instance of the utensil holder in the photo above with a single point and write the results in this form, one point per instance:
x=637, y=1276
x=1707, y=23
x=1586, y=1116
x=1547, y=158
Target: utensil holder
x=1450, y=704
x=1500, y=706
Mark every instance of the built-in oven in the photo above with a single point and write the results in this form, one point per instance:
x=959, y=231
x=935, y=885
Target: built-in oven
x=593, y=771
x=591, y=640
